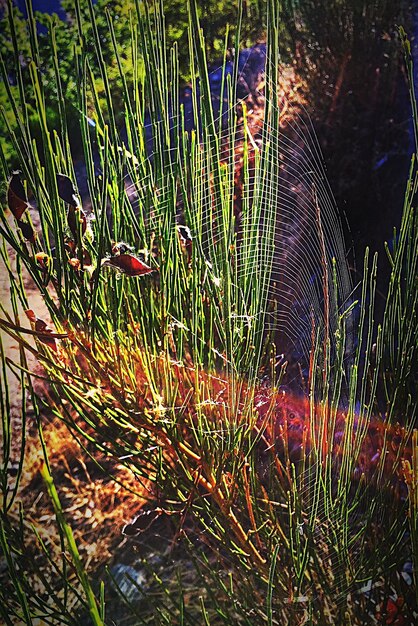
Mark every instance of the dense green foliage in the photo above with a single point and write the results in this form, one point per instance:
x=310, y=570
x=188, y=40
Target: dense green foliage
x=215, y=17
x=317, y=37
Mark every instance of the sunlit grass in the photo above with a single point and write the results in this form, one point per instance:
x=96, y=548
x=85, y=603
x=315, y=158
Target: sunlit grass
x=156, y=350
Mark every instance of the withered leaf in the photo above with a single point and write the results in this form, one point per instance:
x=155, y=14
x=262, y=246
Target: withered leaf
x=129, y=264
x=43, y=260
x=67, y=191
x=41, y=327
x=16, y=196
x=87, y=260
x=27, y=231
x=75, y=263
x=74, y=258
x=70, y=246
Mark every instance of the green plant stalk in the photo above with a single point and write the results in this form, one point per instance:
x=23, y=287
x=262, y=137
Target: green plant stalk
x=15, y=575
x=72, y=546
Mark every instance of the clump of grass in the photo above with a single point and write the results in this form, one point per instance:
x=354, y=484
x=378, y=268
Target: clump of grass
x=159, y=296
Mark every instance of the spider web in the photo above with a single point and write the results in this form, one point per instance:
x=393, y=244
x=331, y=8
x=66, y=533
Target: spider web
x=301, y=240
x=302, y=246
